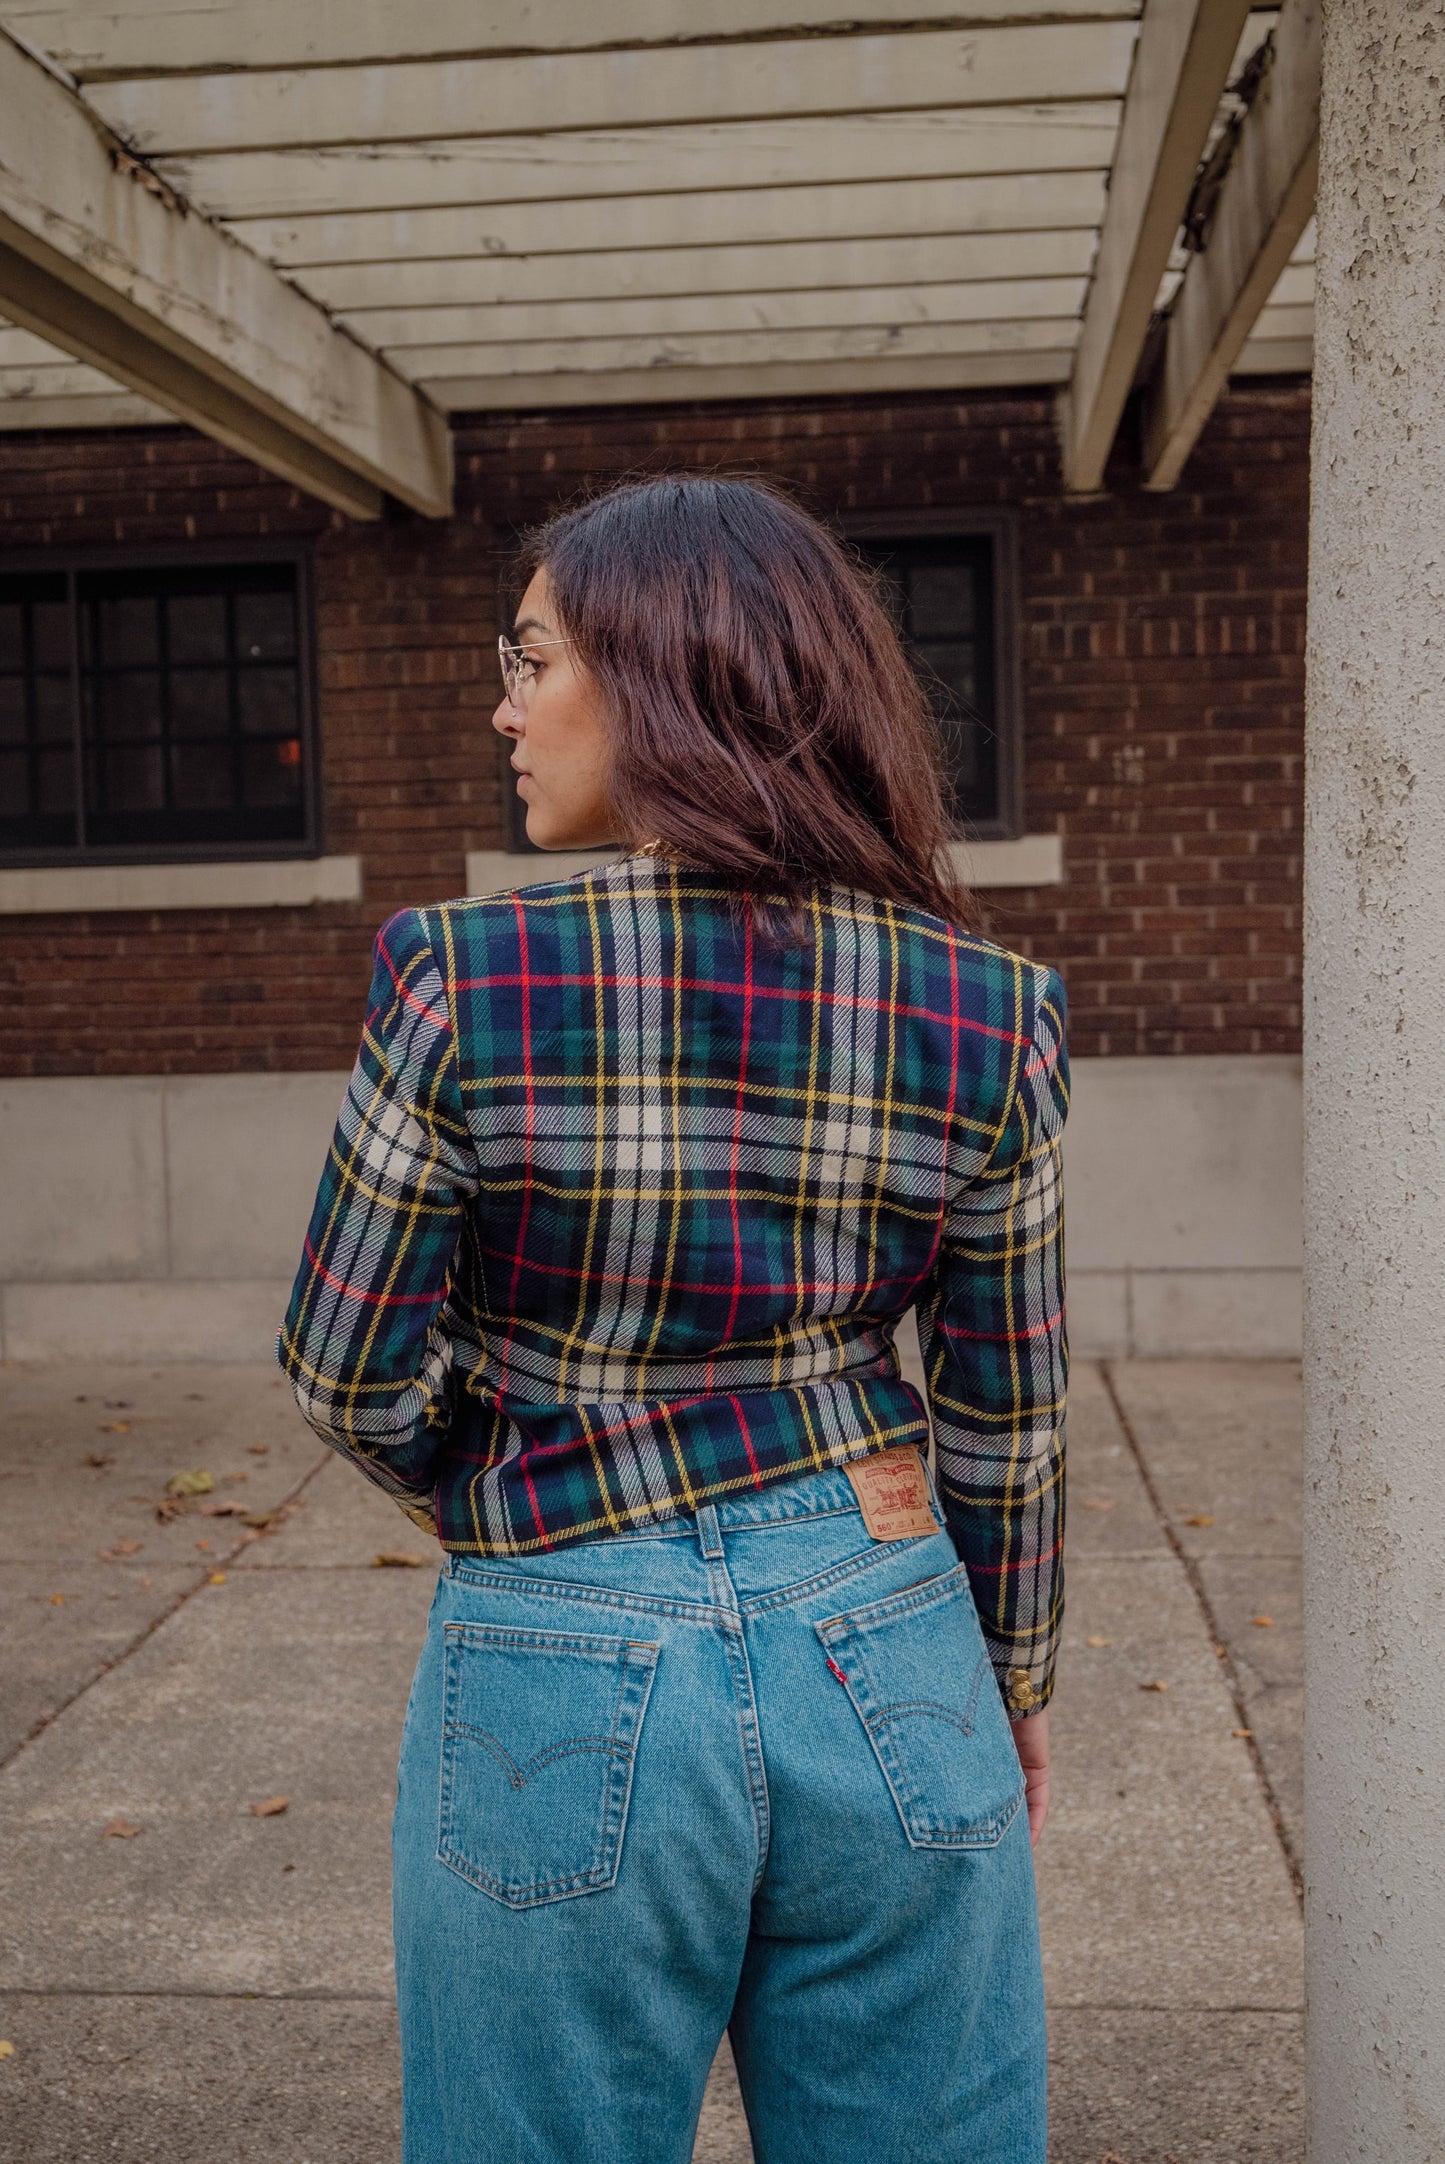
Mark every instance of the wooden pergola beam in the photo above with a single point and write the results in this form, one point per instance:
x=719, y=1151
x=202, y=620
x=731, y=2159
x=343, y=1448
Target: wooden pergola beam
x=100, y=257
x=1264, y=205
x=1181, y=66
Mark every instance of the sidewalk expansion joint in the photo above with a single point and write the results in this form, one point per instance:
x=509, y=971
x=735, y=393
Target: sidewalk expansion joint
x=163, y=1615
x=179, y=1991
x=1222, y=1653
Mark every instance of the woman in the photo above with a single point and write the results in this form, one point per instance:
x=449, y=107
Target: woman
x=726, y=1712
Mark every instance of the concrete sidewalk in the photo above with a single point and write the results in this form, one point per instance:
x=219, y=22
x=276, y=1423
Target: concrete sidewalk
x=214, y=1987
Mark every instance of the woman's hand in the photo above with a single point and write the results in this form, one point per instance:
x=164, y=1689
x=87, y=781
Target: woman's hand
x=1031, y=1741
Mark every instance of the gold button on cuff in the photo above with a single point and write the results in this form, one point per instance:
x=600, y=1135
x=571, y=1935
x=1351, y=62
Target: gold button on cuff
x=1021, y=1692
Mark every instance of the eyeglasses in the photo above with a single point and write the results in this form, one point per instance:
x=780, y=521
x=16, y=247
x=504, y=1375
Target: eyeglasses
x=518, y=668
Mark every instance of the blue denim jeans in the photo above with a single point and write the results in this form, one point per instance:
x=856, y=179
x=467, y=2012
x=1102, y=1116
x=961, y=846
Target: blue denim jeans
x=748, y=1770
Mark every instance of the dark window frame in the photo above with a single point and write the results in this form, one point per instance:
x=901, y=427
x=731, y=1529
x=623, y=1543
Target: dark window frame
x=68, y=563
x=1001, y=529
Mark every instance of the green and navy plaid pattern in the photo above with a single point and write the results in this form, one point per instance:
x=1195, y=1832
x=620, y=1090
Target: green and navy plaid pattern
x=624, y=1203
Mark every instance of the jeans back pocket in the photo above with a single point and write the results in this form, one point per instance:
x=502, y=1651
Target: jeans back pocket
x=921, y=1683
x=539, y=1739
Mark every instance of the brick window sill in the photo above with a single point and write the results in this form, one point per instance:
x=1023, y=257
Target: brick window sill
x=274, y=883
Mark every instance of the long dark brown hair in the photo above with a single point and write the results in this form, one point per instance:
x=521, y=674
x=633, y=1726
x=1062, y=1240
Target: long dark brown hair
x=763, y=719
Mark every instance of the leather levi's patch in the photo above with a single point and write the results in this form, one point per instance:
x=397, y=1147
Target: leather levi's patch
x=892, y=1492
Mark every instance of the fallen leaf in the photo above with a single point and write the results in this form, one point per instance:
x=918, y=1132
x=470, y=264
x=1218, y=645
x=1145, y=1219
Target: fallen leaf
x=57, y=1600
x=1156, y=1685
x=258, y=1450
x=271, y=1808
x=223, y=1510
x=233, y=1480
x=7, y=2049
x=1262, y=1622
x=203, y=1544
x=121, y=1829
x=1099, y=1502
x=1244, y=1731
x=1202, y=1517
x=217, y=1577
x=396, y=1559
x=1099, y=1641
x=99, y=1458
x=119, y=1548
x=115, y=1427
x=197, y=1483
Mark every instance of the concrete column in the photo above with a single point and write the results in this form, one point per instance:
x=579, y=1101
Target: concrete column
x=1375, y=1100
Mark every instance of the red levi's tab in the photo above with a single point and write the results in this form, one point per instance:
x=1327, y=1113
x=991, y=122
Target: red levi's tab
x=892, y=1492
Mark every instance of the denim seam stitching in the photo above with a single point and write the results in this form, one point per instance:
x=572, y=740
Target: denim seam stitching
x=839, y=1574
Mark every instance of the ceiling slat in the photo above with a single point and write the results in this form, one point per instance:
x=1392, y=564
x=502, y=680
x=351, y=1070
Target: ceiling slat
x=651, y=161
x=947, y=373
x=110, y=409
x=1030, y=202
x=351, y=289
x=152, y=36
x=718, y=348
x=419, y=101
x=394, y=330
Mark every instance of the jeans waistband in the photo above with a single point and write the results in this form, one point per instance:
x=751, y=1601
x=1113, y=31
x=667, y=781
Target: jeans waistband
x=821, y=1494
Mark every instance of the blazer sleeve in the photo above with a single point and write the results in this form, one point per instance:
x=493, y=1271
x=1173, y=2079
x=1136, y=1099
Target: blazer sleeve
x=365, y=1342
x=995, y=1354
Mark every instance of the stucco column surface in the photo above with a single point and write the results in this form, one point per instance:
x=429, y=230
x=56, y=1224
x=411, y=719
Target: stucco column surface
x=1375, y=1099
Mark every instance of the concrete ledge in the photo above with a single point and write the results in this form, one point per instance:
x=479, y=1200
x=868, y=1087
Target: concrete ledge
x=155, y=1320
x=270, y=883
x=1241, y=1314
x=1030, y=860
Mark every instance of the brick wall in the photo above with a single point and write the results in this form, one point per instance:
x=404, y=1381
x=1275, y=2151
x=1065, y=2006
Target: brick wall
x=1163, y=665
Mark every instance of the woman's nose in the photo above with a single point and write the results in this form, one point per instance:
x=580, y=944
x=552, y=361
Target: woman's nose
x=505, y=720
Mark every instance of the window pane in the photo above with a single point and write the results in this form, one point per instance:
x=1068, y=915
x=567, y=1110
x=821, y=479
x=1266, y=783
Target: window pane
x=265, y=627
x=196, y=627
x=940, y=600
x=133, y=778
x=127, y=631
x=267, y=700
x=270, y=774
x=50, y=630
x=201, y=775
x=14, y=783
x=950, y=670
x=57, y=780
x=199, y=703
x=194, y=729
x=53, y=709
x=130, y=705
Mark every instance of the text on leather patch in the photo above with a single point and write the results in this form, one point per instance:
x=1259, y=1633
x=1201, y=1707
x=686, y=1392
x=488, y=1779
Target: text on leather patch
x=892, y=1492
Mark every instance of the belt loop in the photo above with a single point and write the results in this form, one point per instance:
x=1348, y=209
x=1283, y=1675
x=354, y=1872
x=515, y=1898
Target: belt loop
x=709, y=1532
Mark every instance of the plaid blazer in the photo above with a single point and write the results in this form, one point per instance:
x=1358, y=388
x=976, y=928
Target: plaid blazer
x=625, y=1201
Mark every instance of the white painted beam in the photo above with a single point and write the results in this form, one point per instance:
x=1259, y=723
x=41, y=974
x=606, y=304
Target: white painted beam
x=1264, y=205
x=566, y=385
x=412, y=330
x=784, y=153
x=159, y=36
x=1180, y=70
x=411, y=102
x=714, y=217
x=112, y=270
x=353, y=290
